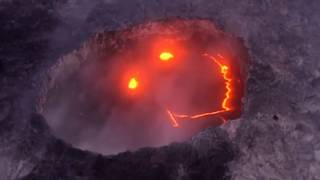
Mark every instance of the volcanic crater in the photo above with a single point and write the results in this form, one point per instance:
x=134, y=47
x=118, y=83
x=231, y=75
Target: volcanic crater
x=148, y=85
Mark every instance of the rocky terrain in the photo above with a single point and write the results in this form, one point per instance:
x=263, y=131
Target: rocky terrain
x=277, y=137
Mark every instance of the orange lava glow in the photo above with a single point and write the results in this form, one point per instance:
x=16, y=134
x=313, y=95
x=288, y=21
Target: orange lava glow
x=225, y=105
x=166, y=56
x=133, y=83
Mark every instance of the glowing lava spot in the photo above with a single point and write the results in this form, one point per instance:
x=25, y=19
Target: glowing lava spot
x=166, y=56
x=133, y=83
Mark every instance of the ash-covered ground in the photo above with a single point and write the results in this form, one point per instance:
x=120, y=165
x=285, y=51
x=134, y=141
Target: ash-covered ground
x=277, y=136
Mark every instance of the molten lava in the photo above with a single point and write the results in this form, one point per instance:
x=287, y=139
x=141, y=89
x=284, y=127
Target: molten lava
x=225, y=105
x=166, y=56
x=133, y=83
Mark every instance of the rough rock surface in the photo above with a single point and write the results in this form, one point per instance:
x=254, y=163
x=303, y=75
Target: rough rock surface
x=277, y=136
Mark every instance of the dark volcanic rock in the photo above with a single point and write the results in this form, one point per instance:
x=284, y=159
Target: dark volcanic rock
x=178, y=161
x=283, y=41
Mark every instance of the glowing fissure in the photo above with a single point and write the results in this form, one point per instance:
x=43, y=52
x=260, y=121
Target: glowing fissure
x=224, y=70
x=173, y=119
